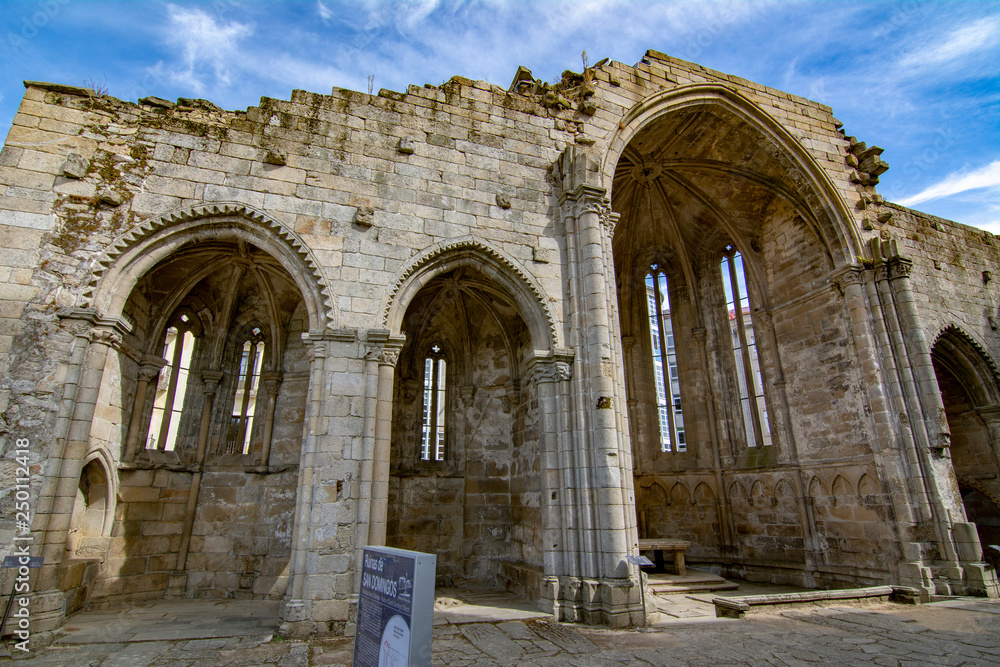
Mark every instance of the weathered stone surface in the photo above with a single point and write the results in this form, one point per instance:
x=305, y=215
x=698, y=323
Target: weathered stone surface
x=845, y=414
x=75, y=166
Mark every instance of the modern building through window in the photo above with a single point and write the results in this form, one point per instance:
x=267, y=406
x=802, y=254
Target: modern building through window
x=753, y=407
x=171, y=388
x=432, y=440
x=668, y=388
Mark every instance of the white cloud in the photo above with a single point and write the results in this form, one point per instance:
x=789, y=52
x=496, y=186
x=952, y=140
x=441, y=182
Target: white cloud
x=205, y=44
x=960, y=43
x=984, y=177
x=325, y=12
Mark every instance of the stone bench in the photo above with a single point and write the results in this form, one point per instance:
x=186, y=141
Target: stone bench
x=658, y=546
x=737, y=607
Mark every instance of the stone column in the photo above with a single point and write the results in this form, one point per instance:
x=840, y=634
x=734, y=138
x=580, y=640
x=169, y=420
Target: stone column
x=932, y=438
x=178, y=582
x=148, y=370
x=547, y=374
x=699, y=335
x=599, y=388
x=383, y=437
x=94, y=337
x=272, y=383
x=296, y=609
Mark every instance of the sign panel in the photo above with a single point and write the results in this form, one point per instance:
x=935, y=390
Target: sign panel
x=640, y=560
x=16, y=561
x=395, y=608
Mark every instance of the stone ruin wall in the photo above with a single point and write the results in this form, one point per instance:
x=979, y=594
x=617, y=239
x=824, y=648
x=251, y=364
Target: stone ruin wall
x=369, y=181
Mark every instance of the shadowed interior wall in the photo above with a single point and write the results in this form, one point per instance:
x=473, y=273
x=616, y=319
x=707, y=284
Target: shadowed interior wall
x=478, y=507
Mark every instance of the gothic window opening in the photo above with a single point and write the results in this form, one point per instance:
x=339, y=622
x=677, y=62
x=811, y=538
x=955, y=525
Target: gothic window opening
x=753, y=407
x=171, y=388
x=247, y=388
x=433, y=433
x=668, y=388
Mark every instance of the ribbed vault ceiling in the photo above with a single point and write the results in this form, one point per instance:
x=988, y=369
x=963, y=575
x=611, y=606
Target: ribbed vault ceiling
x=698, y=179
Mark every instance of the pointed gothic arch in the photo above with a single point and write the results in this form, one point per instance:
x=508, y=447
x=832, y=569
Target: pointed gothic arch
x=957, y=352
x=515, y=281
x=817, y=200
x=137, y=251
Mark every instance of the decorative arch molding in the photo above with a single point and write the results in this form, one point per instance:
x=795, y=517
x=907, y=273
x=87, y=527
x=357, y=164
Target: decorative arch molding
x=828, y=198
x=977, y=485
x=440, y=258
x=680, y=493
x=783, y=489
x=709, y=492
x=969, y=362
x=817, y=488
x=138, y=250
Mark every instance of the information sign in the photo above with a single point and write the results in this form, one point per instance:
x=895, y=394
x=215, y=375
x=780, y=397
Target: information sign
x=640, y=560
x=33, y=562
x=395, y=608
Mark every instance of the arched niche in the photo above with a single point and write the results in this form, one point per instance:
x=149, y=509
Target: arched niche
x=93, y=511
x=471, y=324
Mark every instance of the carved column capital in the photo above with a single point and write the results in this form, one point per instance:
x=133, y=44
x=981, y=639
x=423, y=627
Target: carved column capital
x=211, y=381
x=271, y=381
x=389, y=357
x=549, y=371
x=851, y=275
x=150, y=367
x=899, y=267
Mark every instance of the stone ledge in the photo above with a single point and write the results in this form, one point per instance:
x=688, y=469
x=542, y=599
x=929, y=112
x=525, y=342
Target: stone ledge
x=737, y=607
x=60, y=88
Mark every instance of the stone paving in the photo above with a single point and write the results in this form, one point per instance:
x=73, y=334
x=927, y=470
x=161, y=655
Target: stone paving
x=961, y=631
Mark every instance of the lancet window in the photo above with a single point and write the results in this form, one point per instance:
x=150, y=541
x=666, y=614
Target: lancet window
x=241, y=421
x=666, y=378
x=172, y=385
x=753, y=406
x=432, y=445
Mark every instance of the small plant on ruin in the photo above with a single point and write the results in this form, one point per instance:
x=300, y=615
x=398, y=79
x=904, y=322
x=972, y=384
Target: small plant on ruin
x=99, y=88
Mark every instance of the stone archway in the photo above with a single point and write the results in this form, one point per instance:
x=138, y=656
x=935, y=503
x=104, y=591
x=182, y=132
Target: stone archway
x=209, y=511
x=724, y=220
x=466, y=453
x=971, y=393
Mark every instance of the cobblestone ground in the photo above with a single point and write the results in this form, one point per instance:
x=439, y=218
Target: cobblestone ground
x=957, y=632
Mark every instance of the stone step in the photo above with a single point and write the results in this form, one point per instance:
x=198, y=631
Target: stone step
x=667, y=589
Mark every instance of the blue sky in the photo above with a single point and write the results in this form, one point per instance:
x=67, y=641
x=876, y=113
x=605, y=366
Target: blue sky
x=919, y=78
